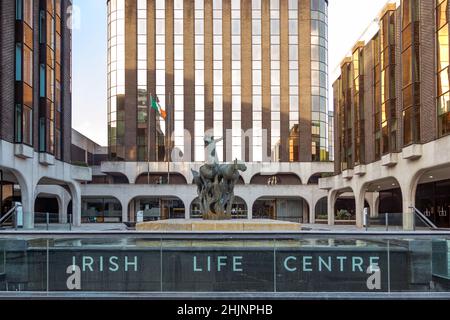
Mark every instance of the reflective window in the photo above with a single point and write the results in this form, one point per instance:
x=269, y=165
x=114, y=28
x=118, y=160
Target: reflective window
x=116, y=75
x=443, y=94
x=199, y=82
x=218, y=77
x=319, y=42
x=410, y=76
x=142, y=105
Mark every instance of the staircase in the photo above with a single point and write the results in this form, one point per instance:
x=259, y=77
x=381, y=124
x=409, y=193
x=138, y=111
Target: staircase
x=8, y=219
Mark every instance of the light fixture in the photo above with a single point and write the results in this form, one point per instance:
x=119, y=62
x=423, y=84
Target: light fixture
x=431, y=177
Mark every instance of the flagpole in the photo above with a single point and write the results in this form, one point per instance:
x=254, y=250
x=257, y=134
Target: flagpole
x=148, y=138
x=169, y=137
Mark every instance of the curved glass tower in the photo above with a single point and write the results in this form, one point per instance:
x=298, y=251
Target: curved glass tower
x=238, y=69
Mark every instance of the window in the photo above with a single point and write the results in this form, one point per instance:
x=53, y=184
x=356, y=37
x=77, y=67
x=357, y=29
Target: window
x=18, y=124
x=28, y=12
x=27, y=126
x=27, y=66
x=18, y=62
x=319, y=42
x=410, y=72
x=442, y=72
x=19, y=9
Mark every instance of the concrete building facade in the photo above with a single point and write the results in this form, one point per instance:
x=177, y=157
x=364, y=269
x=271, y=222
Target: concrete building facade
x=35, y=105
x=391, y=105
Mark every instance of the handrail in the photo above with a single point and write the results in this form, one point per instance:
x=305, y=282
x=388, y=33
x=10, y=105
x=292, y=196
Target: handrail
x=424, y=218
x=8, y=215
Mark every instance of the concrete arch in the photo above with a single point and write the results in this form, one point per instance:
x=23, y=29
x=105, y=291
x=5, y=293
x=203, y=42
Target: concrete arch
x=160, y=178
x=71, y=187
x=375, y=186
x=411, y=184
x=333, y=195
x=175, y=168
x=316, y=205
x=62, y=196
x=120, y=178
x=314, y=178
x=27, y=188
x=290, y=178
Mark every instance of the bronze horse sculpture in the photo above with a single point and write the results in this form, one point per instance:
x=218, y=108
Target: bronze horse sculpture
x=215, y=188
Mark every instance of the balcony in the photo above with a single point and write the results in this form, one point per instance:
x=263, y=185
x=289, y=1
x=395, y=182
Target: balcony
x=412, y=152
x=80, y=173
x=326, y=183
x=23, y=151
x=389, y=160
x=46, y=159
x=360, y=170
x=347, y=174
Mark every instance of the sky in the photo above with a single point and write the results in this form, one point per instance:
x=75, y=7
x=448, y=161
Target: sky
x=348, y=19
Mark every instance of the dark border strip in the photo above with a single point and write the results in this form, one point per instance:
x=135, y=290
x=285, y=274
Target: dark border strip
x=187, y=296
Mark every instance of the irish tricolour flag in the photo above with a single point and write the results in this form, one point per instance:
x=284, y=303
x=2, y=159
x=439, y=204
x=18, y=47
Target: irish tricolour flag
x=157, y=106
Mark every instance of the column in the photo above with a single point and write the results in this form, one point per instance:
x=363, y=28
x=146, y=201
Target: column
x=76, y=203
x=312, y=212
x=306, y=210
x=250, y=203
x=359, y=207
x=63, y=203
x=131, y=215
x=408, y=213
x=331, y=203
x=373, y=198
x=27, y=195
x=124, y=205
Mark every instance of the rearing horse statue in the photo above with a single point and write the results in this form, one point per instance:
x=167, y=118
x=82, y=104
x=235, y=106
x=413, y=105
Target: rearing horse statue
x=215, y=188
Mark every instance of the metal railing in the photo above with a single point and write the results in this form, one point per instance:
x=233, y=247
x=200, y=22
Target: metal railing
x=383, y=221
x=389, y=221
x=422, y=219
x=8, y=215
x=51, y=221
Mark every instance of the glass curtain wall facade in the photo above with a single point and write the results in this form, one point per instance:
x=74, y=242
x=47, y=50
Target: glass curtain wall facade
x=142, y=84
x=116, y=78
x=319, y=79
x=294, y=104
x=240, y=78
x=257, y=79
